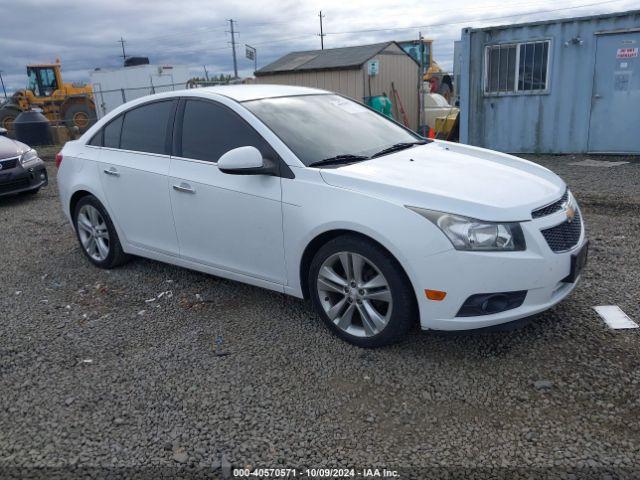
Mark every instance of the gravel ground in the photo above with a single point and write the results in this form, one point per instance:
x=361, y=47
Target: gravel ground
x=100, y=370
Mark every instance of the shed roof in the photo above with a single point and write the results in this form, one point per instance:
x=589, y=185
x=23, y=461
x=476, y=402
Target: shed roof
x=329, y=59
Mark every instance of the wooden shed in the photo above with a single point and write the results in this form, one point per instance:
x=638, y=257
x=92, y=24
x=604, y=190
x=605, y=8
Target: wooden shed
x=345, y=71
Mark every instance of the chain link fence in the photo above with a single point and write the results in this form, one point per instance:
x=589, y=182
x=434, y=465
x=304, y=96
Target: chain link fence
x=86, y=110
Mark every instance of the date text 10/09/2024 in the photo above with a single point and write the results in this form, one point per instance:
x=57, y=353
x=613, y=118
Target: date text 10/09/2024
x=314, y=473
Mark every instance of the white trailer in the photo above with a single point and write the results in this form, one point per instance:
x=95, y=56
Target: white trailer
x=113, y=87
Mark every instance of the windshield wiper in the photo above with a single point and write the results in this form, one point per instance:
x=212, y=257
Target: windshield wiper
x=339, y=159
x=397, y=147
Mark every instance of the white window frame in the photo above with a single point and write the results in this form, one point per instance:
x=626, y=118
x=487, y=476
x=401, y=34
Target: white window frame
x=515, y=90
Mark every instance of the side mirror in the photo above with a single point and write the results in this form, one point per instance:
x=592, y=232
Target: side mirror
x=245, y=161
x=3, y=132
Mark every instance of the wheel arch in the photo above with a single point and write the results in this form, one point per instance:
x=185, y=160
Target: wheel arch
x=75, y=198
x=322, y=238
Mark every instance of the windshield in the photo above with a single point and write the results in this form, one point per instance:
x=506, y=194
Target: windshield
x=317, y=127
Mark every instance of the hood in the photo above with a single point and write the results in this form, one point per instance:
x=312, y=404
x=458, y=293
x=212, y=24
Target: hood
x=454, y=178
x=11, y=148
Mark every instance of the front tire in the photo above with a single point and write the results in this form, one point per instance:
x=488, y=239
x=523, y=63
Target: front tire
x=80, y=115
x=361, y=292
x=97, y=236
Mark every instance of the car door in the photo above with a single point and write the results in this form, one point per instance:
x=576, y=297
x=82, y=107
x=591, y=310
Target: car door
x=134, y=168
x=231, y=222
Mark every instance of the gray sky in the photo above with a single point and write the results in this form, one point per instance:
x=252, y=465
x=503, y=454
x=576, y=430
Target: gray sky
x=84, y=34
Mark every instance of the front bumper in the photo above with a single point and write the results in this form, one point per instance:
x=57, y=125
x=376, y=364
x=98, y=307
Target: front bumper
x=538, y=270
x=19, y=179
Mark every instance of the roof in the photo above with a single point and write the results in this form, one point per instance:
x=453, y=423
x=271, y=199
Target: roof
x=557, y=20
x=329, y=59
x=239, y=93
x=243, y=93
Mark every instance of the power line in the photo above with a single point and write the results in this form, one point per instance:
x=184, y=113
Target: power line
x=205, y=49
x=413, y=27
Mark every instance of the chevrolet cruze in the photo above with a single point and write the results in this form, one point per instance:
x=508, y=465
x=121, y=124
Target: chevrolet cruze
x=314, y=195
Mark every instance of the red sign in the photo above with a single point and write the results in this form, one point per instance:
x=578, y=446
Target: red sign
x=627, y=53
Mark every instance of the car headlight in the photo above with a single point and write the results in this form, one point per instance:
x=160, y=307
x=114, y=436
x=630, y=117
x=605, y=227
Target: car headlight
x=476, y=235
x=28, y=157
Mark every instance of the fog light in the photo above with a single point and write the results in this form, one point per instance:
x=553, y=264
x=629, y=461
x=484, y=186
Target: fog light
x=490, y=303
x=42, y=176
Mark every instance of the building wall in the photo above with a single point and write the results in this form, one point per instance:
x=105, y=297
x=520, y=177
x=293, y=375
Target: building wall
x=553, y=122
x=346, y=82
x=395, y=66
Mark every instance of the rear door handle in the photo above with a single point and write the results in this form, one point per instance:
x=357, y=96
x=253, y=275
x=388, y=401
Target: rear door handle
x=184, y=187
x=112, y=171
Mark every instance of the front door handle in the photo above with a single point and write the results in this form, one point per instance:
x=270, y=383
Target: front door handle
x=184, y=187
x=112, y=171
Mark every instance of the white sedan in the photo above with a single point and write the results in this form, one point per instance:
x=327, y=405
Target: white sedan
x=311, y=194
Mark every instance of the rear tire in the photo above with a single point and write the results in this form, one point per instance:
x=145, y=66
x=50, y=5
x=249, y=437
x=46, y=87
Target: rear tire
x=361, y=292
x=96, y=234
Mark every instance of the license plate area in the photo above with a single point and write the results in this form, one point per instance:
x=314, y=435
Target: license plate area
x=578, y=262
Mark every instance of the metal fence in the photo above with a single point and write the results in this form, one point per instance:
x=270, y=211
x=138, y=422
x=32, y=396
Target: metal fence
x=105, y=101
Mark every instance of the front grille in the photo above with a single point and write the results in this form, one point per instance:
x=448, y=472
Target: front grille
x=565, y=236
x=552, y=208
x=7, y=164
x=15, y=185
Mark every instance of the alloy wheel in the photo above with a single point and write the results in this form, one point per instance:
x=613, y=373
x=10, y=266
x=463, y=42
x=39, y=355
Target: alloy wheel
x=354, y=294
x=93, y=232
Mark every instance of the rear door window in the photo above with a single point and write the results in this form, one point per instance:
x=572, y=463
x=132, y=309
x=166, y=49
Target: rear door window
x=96, y=140
x=209, y=130
x=144, y=128
x=112, y=133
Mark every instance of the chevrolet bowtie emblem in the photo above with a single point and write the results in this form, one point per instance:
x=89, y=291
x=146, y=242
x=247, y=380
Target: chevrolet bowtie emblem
x=571, y=214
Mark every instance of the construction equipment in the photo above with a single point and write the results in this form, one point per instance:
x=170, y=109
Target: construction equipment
x=62, y=103
x=429, y=65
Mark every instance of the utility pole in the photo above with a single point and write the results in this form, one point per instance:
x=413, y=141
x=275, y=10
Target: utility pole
x=124, y=54
x=421, y=113
x=2, y=82
x=321, y=34
x=206, y=74
x=233, y=48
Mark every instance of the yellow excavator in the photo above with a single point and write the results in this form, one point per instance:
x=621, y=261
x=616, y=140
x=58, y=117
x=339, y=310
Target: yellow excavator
x=62, y=103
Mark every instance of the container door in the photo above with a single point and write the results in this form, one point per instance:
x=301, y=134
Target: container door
x=615, y=111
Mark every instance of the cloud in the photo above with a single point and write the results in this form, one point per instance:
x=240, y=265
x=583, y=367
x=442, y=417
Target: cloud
x=84, y=34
